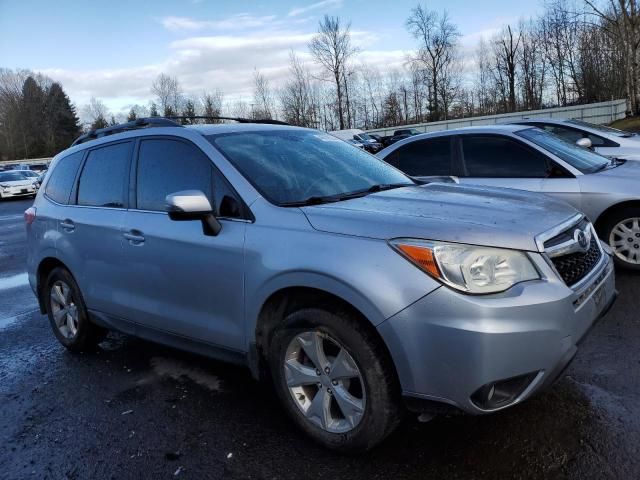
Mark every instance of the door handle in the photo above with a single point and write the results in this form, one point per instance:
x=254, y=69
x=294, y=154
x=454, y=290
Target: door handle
x=68, y=225
x=134, y=236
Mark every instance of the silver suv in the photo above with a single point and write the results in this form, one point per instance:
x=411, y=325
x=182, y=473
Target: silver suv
x=357, y=291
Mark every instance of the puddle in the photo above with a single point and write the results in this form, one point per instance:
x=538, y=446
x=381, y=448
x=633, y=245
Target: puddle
x=14, y=281
x=177, y=370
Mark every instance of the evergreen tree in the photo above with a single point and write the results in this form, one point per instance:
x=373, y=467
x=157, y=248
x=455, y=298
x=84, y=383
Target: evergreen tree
x=132, y=115
x=32, y=119
x=153, y=111
x=189, y=112
x=62, y=123
x=99, y=122
x=168, y=112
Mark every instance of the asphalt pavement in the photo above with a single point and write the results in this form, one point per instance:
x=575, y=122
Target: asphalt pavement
x=138, y=410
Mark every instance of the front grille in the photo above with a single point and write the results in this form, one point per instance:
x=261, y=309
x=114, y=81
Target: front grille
x=575, y=266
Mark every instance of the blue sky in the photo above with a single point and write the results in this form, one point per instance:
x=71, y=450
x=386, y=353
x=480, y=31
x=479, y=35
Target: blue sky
x=113, y=50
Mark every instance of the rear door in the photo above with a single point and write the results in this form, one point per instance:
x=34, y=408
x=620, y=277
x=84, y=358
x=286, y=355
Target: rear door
x=503, y=161
x=90, y=226
x=500, y=161
x=180, y=280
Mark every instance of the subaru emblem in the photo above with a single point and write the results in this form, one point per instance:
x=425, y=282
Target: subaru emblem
x=582, y=240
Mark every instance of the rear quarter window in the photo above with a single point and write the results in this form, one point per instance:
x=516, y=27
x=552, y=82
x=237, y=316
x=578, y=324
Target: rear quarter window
x=62, y=177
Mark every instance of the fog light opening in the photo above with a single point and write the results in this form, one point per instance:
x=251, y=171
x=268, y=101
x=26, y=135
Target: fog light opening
x=503, y=392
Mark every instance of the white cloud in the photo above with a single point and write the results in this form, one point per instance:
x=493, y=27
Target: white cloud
x=234, y=22
x=294, y=12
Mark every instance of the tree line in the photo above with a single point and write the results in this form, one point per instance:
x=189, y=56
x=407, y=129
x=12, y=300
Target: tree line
x=575, y=51
x=37, y=119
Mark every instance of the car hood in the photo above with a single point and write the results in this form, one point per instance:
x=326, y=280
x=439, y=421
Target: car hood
x=470, y=214
x=628, y=171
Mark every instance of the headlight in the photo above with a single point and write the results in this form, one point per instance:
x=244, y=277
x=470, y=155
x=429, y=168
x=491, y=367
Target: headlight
x=468, y=268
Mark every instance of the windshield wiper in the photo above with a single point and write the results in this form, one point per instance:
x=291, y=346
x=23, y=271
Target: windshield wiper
x=318, y=200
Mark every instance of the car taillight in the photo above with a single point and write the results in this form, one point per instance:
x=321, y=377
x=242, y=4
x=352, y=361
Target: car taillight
x=30, y=215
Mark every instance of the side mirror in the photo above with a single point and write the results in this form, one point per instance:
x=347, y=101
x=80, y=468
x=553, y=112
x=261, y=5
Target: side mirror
x=584, y=143
x=193, y=205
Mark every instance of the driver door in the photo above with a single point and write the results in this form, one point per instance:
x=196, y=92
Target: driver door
x=182, y=281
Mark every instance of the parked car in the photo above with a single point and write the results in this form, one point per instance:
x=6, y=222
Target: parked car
x=15, y=184
x=529, y=158
x=31, y=175
x=401, y=134
x=358, y=137
x=318, y=266
x=604, y=140
x=355, y=143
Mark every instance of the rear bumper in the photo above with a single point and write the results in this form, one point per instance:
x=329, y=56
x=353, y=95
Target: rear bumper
x=449, y=347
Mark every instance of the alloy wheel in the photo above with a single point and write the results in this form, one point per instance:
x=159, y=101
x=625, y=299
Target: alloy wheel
x=624, y=239
x=325, y=382
x=64, y=309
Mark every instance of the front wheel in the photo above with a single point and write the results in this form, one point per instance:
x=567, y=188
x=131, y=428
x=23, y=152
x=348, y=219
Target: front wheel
x=68, y=314
x=622, y=233
x=334, y=379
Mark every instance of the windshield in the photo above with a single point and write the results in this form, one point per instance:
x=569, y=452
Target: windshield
x=601, y=128
x=584, y=160
x=362, y=136
x=11, y=177
x=28, y=173
x=289, y=166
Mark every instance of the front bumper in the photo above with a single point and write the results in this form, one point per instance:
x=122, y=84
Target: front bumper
x=448, y=346
x=18, y=192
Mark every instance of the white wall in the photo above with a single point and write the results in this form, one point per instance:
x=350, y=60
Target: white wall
x=601, y=113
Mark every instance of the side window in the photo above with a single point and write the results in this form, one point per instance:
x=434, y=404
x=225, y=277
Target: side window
x=167, y=166
x=424, y=157
x=501, y=157
x=105, y=176
x=62, y=177
x=572, y=135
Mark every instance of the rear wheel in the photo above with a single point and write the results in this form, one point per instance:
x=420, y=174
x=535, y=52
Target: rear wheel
x=334, y=379
x=622, y=233
x=68, y=314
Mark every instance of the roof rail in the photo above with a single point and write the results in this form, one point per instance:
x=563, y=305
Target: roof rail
x=123, y=127
x=235, y=119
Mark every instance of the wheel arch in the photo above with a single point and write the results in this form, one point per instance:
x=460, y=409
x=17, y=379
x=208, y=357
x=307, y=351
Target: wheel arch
x=600, y=223
x=289, y=299
x=45, y=267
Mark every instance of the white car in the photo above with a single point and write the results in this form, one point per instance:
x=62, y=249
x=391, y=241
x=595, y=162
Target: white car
x=606, y=141
x=16, y=184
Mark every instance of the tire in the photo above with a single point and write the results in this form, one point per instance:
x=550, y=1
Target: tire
x=371, y=398
x=620, y=227
x=73, y=329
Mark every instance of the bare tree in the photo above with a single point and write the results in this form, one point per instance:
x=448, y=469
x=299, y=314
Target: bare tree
x=533, y=65
x=438, y=38
x=96, y=113
x=262, y=107
x=506, y=48
x=168, y=93
x=622, y=17
x=296, y=97
x=331, y=47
